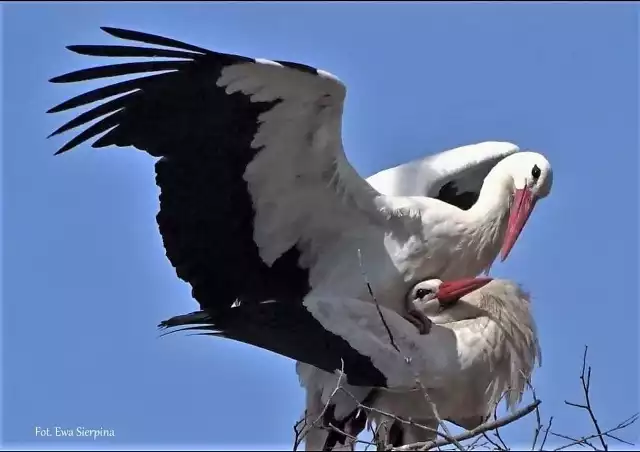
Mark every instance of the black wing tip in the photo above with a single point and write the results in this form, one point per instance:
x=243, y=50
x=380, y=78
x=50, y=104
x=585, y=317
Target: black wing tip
x=58, y=79
x=75, y=48
x=62, y=150
x=112, y=30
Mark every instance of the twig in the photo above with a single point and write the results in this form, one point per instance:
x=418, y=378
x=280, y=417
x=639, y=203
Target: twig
x=407, y=359
x=375, y=300
x=486, y=427
x=298, y=438
x=546, y=433
x=492, y=442
x=585, y=440
x=497, y=429
x=392, y=416
x=538, y=416
x=436, y=414
x=351, y=437
x=586, y=382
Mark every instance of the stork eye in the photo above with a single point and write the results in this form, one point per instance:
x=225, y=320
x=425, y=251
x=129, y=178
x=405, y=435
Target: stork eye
x=421, y=293
x=535, y=172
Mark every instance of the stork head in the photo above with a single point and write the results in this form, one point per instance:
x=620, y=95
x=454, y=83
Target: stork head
x=532, y=179
x=432, y=296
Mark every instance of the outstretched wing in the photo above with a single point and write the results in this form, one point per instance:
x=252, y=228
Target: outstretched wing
x=252, y=173
x=454, y=176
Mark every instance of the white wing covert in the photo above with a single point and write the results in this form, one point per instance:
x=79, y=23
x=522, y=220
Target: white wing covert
x=454, y=176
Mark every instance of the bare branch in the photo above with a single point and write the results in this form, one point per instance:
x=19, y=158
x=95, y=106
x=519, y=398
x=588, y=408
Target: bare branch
x=586, y=382
x=300, y=435
x=486, y=427
x=492, y=442
x=450, y=438
x=546, y=433
x=407, y=359
x=375, y=300
x=585, y=440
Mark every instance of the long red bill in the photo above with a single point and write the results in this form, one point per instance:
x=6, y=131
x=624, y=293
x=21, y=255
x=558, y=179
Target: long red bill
x=452, y=291
x=523, y=205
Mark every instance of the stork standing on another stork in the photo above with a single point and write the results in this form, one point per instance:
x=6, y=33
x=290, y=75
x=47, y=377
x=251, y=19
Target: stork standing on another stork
x=258, y=201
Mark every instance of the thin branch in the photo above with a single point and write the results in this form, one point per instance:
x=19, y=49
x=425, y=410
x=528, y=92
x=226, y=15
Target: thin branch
x=392, y=416
x=436, y=414
x=546, y=433
x=375, y=300
x=493, y=443
x=407, y=359
x=585, y=440
x=497, y=429
x=538, y=428
x=586, y=382
x=299, y=436
x=486, y=427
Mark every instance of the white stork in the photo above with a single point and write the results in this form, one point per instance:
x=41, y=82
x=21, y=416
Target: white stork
x=258, y=201
x=498, y=349
x=478, y=348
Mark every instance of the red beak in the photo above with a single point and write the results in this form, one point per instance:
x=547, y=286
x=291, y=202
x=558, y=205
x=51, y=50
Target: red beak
x=523, y=205
x=452, y=291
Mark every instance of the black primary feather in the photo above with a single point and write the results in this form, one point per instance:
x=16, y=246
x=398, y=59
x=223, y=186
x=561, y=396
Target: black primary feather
x=288, y=330
x=203, y=138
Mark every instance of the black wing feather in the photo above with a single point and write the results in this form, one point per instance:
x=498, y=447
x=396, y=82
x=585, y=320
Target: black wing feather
x=288, y=330
x=120, y=69
x=139, y=36
x=88, y=116
x=128, y=51
x=203, y=136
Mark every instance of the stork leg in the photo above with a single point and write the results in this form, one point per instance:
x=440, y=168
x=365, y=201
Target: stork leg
x=421, y=321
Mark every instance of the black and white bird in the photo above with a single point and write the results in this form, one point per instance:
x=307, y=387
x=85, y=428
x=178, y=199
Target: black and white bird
x=480, y=349
x=258, y=200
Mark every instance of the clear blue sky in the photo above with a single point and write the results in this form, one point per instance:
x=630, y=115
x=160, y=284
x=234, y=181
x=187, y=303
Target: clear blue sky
x=85, y=276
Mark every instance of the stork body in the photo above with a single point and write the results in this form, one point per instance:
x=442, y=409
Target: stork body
x=477, y=349
x=498, y=346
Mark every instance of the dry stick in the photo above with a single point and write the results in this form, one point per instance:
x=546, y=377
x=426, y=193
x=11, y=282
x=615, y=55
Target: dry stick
x=486, y=427
x=582, y=441
x=497, y=430
x=393, y=416
x=585, y=388
x=492, y=442
x=451, y=438
x=546, y=433
x=538, y=417
x=393, y=343
x=375, y=300
x=324, y=409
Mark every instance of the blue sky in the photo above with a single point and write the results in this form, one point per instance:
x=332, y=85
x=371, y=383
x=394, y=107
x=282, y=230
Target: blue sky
x=85, y=279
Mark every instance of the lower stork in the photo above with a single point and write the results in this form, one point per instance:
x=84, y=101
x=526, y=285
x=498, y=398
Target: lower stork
x=498, y=347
